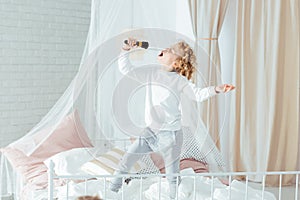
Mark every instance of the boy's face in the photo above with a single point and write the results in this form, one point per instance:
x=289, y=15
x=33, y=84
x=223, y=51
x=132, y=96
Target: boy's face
x=167, y=57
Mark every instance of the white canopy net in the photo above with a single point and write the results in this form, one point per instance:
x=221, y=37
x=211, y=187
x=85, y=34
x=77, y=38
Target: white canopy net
x=100, y=96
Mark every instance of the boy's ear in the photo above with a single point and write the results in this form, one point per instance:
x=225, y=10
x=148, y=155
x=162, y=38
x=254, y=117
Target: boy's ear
x=175, y=64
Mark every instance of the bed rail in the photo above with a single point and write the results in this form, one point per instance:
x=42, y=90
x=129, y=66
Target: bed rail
x=141, y=177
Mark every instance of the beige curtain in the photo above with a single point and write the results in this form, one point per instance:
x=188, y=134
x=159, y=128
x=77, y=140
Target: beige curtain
x=207, y=18
x=264, y=113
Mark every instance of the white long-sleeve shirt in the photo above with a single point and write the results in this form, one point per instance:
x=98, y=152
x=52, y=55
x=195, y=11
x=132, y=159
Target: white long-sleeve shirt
x=163, y=90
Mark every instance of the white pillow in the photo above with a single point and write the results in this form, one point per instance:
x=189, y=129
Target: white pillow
x=69, y=162
x=107, y=163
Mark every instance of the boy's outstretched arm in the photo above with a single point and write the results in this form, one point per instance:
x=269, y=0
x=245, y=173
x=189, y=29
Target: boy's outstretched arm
x=202, y=94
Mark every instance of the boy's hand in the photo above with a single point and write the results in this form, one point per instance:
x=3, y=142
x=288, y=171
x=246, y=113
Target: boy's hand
x=131, y=43
x=224, y=88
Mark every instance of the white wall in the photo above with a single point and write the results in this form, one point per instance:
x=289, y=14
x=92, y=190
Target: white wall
x=41, y=42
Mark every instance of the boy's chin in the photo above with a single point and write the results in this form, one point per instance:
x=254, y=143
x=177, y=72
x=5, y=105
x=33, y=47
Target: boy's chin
x=167, y=68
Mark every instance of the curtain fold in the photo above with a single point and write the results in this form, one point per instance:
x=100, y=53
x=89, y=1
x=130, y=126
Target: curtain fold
x=207, y=18
x=264, y=112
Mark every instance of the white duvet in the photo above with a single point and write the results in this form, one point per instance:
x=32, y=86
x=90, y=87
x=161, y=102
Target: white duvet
x=150, y=190
x=203, y=190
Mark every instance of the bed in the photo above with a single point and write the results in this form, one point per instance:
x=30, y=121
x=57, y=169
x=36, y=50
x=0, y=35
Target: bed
x=75, y=182
x=194, y=186
x=67, y=165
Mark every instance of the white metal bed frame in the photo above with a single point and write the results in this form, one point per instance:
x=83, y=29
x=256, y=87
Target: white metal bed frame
x=52, y=176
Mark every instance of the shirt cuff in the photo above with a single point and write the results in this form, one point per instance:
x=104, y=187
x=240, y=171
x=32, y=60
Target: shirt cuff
x=212, y=91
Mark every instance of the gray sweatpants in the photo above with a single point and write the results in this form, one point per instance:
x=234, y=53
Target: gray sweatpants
x=167, y=143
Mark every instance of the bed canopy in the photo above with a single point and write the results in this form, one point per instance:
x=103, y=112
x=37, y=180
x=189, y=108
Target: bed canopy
x=103, y=99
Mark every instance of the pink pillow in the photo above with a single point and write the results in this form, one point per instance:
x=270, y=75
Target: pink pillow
x=31, y=168
x=68, y=135
x=197, y=166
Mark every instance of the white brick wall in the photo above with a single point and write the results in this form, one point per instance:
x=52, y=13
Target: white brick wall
x=41, y=43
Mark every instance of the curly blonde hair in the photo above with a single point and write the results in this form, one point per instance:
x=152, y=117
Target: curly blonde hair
x=185, y=64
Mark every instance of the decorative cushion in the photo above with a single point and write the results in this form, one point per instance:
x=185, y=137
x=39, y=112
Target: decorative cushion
x=107, y=163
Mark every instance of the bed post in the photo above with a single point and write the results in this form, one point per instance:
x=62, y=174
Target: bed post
x=50, y=180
